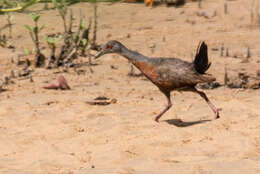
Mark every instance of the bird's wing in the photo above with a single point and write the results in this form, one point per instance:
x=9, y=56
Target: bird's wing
x=179, y=74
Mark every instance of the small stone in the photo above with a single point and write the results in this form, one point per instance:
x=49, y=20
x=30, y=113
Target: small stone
x=128, y=35
x=113, y=100
x=109, y=35
x=253, y=84
x=31, y=79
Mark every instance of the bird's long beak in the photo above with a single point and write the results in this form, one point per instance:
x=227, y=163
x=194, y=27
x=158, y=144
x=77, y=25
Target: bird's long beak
x=100, y=53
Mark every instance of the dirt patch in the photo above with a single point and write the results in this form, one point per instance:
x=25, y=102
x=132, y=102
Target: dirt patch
x=56, y=131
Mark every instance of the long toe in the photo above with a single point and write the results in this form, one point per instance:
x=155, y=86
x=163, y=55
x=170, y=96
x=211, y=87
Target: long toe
x=156, y=119
x=217, y=113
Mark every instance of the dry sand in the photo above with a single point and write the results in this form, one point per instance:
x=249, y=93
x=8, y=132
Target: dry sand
x=47, y=131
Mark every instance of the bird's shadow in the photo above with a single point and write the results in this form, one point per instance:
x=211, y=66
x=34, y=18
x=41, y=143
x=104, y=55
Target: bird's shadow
x=180, y=123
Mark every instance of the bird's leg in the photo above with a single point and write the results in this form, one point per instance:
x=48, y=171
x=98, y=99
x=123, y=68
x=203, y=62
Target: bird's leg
x=168, y=96
x=204, y=96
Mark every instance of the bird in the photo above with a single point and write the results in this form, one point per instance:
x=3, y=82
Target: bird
x=168, y=74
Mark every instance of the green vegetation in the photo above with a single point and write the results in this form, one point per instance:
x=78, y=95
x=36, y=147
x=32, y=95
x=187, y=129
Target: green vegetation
x=64, y=47
x=34, y=34
x=52, y=43
x=20, y=5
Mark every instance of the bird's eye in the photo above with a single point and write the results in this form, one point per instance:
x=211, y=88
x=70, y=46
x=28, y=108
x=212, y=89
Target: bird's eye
x=110, y=46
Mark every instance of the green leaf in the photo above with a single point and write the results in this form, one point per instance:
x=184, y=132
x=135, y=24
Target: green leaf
x=29, y=3
x=84, y=42
x=29, y=28
x=52, y=40
x=88, y=47
x=32, y=15
x=35, y=17
x=47, y=38
x=55, y=3
x=57, y=39
x=42, y=27
x=27, y=51
x=81, y=25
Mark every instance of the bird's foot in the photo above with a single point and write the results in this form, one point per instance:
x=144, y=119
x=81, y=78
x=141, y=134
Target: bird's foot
x=217, y=113
x=157, y=118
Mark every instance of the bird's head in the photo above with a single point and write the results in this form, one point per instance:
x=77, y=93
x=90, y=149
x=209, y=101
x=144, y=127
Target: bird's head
x=112, y=46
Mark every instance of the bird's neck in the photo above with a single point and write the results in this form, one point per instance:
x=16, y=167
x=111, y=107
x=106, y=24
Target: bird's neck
x=140, y=61
x=133, y=56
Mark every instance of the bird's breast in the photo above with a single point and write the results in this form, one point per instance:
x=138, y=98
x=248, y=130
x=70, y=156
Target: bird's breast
x=147, y=69
x=150, y=71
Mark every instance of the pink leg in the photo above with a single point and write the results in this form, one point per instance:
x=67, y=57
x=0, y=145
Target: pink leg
x=204, y=96
x=168, y=96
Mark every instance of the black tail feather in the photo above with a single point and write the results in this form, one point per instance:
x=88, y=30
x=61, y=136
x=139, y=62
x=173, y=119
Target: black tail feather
x=200, y=62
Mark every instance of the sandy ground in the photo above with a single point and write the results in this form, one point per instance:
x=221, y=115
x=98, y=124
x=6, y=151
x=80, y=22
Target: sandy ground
x=44, y=131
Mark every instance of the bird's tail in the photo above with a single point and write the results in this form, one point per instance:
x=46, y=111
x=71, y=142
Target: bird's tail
x=201, y=63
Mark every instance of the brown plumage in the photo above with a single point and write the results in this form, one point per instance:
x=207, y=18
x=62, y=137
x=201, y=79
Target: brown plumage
x=169, y=74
